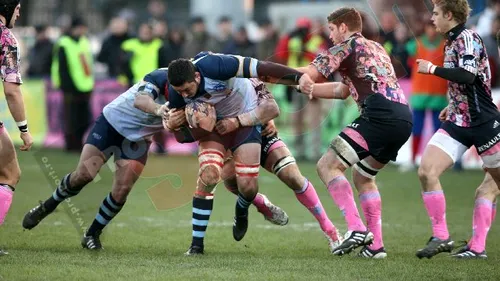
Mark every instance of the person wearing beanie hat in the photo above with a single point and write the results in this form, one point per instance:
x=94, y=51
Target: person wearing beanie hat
x=72, y=73
x=11, y=78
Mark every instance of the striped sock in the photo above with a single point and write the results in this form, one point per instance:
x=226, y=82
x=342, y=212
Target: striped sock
x=242, y=205
x=202, y=208
x=62, y=192
x=108, y=210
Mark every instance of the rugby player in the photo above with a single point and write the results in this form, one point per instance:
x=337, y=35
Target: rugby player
x=370, y=141
x=10, y=172
x=471, y=119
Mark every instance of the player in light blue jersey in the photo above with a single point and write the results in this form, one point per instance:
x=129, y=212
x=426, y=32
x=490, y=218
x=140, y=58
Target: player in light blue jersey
x=124, y=129
x=220, y=80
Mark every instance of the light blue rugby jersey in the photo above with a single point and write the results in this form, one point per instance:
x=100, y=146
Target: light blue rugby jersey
x=132, y=123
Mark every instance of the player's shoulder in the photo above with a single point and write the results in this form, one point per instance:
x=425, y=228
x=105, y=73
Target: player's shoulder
x=7, y=37
x=159, y=77
x=468, y=35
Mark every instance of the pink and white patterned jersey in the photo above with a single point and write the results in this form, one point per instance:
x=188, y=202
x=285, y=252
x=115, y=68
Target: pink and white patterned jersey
x=367, y=69
x=470, y=104
x=9, y=56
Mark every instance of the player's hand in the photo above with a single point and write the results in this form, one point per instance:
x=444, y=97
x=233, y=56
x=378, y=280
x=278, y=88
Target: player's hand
x=425, y=67
x=443, y=114
x=306, y=85
x=27, y=140
x=270, y=129
x=176, y=118
x=162, y=110
x=226, y=126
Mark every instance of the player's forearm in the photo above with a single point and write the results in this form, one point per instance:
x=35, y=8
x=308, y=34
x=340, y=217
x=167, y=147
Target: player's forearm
x=266, y=111
x=15, y=102
x=457, y=75
x=147, y=104
x=278, y=73
x=333, y=90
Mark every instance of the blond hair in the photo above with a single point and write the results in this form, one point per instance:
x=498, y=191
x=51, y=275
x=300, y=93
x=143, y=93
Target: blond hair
x=460, y=9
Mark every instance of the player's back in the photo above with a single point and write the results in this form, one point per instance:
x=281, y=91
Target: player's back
x=230, y=97
x=368, y=70
x=131, y=122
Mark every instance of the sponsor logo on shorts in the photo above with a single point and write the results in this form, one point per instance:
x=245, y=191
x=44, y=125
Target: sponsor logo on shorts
x=353, y=125
x=96, y=136
x=490, y=143
x=496, y=124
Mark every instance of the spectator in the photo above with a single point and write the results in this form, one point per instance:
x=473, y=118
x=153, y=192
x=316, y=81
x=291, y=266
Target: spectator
x=199, y=40
x=265, y=48
x=40, y=56
x=225, y=35
x=491, y=48
x=111, y=46
x=241, y=45
x=72, y=72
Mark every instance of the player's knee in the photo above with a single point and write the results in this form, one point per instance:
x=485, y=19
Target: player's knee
x=363, y=174
x=488, y=188
x=426, y=173
x=247, y=175
x=121, y=191
x=210, y=175
x=82, y=177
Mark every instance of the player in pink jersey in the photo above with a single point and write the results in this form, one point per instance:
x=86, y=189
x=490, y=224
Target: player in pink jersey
x=11, y=78
x=471, y=119
x=369, y=142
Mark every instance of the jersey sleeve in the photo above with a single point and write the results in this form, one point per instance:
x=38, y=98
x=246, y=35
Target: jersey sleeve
x=224, y=67
x=10, y=64
x=468, y=49
x=175, y=100
x=154, y=83
x=329, y=61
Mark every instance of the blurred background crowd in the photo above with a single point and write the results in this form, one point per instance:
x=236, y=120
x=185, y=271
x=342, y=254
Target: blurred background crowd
x=121, y=41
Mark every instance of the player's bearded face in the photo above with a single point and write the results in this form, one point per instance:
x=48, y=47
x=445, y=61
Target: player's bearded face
x=15, y=16
x=189, y=89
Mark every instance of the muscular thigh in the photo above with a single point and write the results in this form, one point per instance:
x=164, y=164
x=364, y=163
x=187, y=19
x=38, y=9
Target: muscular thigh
x=8, y=158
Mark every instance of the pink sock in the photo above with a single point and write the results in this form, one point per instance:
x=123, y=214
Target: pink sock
x=309, y=198
x=493, y=211
x=435, y=203
x=258, y=202
x=341, y=192
x=372, y=208
x=5, y=200
x=481, y=223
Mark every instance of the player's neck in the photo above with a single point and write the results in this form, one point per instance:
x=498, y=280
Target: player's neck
x=349, y=34
x=452, y=25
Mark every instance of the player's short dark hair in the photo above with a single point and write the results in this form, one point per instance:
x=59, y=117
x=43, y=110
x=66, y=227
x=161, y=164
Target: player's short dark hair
x=181, y=71
x=349, y=16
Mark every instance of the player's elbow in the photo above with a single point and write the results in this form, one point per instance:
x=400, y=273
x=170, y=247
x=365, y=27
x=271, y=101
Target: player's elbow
x=140, y=101
x=272, y=108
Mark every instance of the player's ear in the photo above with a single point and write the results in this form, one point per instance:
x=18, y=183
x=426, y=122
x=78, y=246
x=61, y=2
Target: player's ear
x=197, y=77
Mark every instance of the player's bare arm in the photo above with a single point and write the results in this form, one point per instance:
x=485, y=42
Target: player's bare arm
x=146, y=103
x=15, y=102
x=267, y=110
x=332, y=90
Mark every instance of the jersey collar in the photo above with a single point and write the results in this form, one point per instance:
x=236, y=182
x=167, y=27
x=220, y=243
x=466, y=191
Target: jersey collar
x=453, y=33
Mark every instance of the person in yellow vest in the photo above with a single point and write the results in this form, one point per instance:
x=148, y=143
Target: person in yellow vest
x=72, y=72
x=428, y=92
x=142, y=55
x=303, y=46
